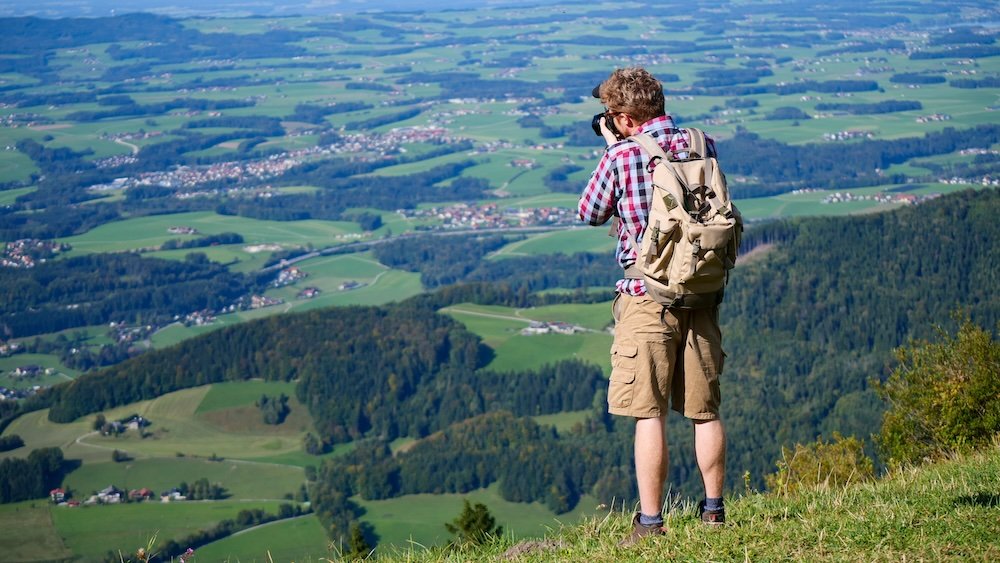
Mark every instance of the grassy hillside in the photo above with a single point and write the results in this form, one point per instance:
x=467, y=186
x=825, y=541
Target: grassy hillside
x=946, y=511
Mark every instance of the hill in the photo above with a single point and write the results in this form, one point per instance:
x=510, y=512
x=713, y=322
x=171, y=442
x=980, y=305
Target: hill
x=945, y=511
x=412, y=373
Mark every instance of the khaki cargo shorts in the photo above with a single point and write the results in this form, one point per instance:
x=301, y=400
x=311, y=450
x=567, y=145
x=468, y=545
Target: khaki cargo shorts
x=677, y=358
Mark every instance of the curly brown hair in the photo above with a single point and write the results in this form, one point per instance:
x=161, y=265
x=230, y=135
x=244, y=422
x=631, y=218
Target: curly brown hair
x=634, y=91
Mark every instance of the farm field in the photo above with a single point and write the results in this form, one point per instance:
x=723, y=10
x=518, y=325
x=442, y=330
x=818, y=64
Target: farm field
x=91, y=532
x=418, y=520
x=295, y=539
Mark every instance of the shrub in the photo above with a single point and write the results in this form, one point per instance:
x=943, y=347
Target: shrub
x=830, y=464
x=942, y=397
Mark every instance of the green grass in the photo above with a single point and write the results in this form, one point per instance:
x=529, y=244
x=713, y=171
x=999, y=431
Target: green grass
x=92, y=531
x=563, y=421
x=29, y=534
x=568, y=241
x=420, y=518
x=942, y=512
x=59, y=373
x=242, y=480
x=241, y=394
x=500, y=329
x=152, y=231
x=296, y=539
x=177, y=427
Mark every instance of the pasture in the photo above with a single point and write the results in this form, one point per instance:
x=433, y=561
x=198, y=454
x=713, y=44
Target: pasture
x=295, y=539
x=150, y=232
x=418, y=520
x=93, y=531
x=29, y=534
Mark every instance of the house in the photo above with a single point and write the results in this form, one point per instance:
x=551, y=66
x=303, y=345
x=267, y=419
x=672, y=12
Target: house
x=172, y=495
x=109, y=495
x=57, y=495
x=140, y=494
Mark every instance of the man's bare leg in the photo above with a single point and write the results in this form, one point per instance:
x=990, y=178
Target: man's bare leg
x=651, y=461
x=710, y=450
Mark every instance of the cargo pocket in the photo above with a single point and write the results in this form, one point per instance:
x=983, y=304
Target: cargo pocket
x=623, y=367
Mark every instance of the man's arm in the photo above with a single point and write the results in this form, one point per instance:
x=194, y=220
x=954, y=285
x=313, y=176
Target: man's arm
x=597, y=204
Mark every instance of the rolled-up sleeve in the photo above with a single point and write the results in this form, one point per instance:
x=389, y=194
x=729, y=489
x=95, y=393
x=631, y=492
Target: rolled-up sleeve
x=597, y=204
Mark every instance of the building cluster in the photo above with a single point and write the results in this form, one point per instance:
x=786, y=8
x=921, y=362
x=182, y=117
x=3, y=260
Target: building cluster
x=881, y=197
x=985, y=180
x=848, y=135
x=24, y=253
x=8, y=394
x=10, y=348
x=933, y=117
x=124, y=334
x=491, y=216
x=289, y=276
x=31, y=371
x=557, y=327
x=186, y=178
x=15, y=120
x=113, y=495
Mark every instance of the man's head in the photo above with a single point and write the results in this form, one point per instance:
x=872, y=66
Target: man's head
x=633, y=91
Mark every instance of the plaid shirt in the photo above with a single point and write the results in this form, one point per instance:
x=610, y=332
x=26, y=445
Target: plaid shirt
x=621, y=185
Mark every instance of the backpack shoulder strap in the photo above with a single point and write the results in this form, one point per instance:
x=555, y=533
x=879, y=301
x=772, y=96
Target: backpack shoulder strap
x=697, y=145
x=653, y=148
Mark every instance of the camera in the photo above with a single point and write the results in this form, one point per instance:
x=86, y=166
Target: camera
x=596, y=124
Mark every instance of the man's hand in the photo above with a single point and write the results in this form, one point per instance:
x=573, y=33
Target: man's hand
x=609, y=137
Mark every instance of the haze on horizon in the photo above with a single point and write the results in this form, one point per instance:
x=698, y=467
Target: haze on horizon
x=187, y=8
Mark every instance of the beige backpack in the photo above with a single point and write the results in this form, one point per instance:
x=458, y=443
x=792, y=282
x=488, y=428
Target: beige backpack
x=693, y=230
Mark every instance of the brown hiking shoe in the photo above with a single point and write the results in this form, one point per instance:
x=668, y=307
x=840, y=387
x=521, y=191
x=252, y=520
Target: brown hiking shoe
x=712, y=517
x=639, y=531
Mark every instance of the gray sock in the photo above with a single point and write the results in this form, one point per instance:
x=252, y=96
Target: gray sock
x=650, y=521
x=713, y=503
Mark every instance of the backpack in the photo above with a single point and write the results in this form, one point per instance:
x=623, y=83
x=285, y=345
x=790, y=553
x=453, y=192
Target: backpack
x=693, y=230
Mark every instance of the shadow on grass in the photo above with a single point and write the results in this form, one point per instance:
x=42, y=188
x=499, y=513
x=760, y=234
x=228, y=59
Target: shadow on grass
x=991, y=500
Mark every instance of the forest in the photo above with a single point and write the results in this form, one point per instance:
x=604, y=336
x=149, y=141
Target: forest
x=423, y=373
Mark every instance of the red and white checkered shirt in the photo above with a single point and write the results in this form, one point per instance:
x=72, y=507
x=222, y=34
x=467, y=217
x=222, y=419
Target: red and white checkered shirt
x=621, y=185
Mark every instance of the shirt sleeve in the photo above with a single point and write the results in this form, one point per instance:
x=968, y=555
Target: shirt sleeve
x=597, y=204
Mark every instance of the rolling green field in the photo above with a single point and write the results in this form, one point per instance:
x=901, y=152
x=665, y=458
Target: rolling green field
x=29, y=533
x=48, y=362
x=419, y=519
x=150, y=232
x=90, y=532
x=295, y=539
x=500, y=328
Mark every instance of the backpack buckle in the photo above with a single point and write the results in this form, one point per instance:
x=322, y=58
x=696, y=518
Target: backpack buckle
x=652, y=163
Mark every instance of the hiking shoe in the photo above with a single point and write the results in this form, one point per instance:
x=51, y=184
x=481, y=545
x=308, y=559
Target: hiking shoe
x=712, y=517
x=639, y=531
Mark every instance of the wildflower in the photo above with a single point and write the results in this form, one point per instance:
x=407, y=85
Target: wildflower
x=186, y=555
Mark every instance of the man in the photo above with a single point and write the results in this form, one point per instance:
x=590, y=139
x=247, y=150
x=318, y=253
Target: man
x=659, y=356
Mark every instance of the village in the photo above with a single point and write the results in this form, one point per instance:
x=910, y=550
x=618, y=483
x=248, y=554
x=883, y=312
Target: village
x=490, y=216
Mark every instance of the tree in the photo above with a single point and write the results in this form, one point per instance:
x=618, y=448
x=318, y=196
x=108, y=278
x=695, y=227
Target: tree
x=99, y=422
x=474, y=525
x=943, y=395
x=358, y=543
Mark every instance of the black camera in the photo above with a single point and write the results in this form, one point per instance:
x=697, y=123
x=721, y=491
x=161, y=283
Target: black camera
x=596, y=124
